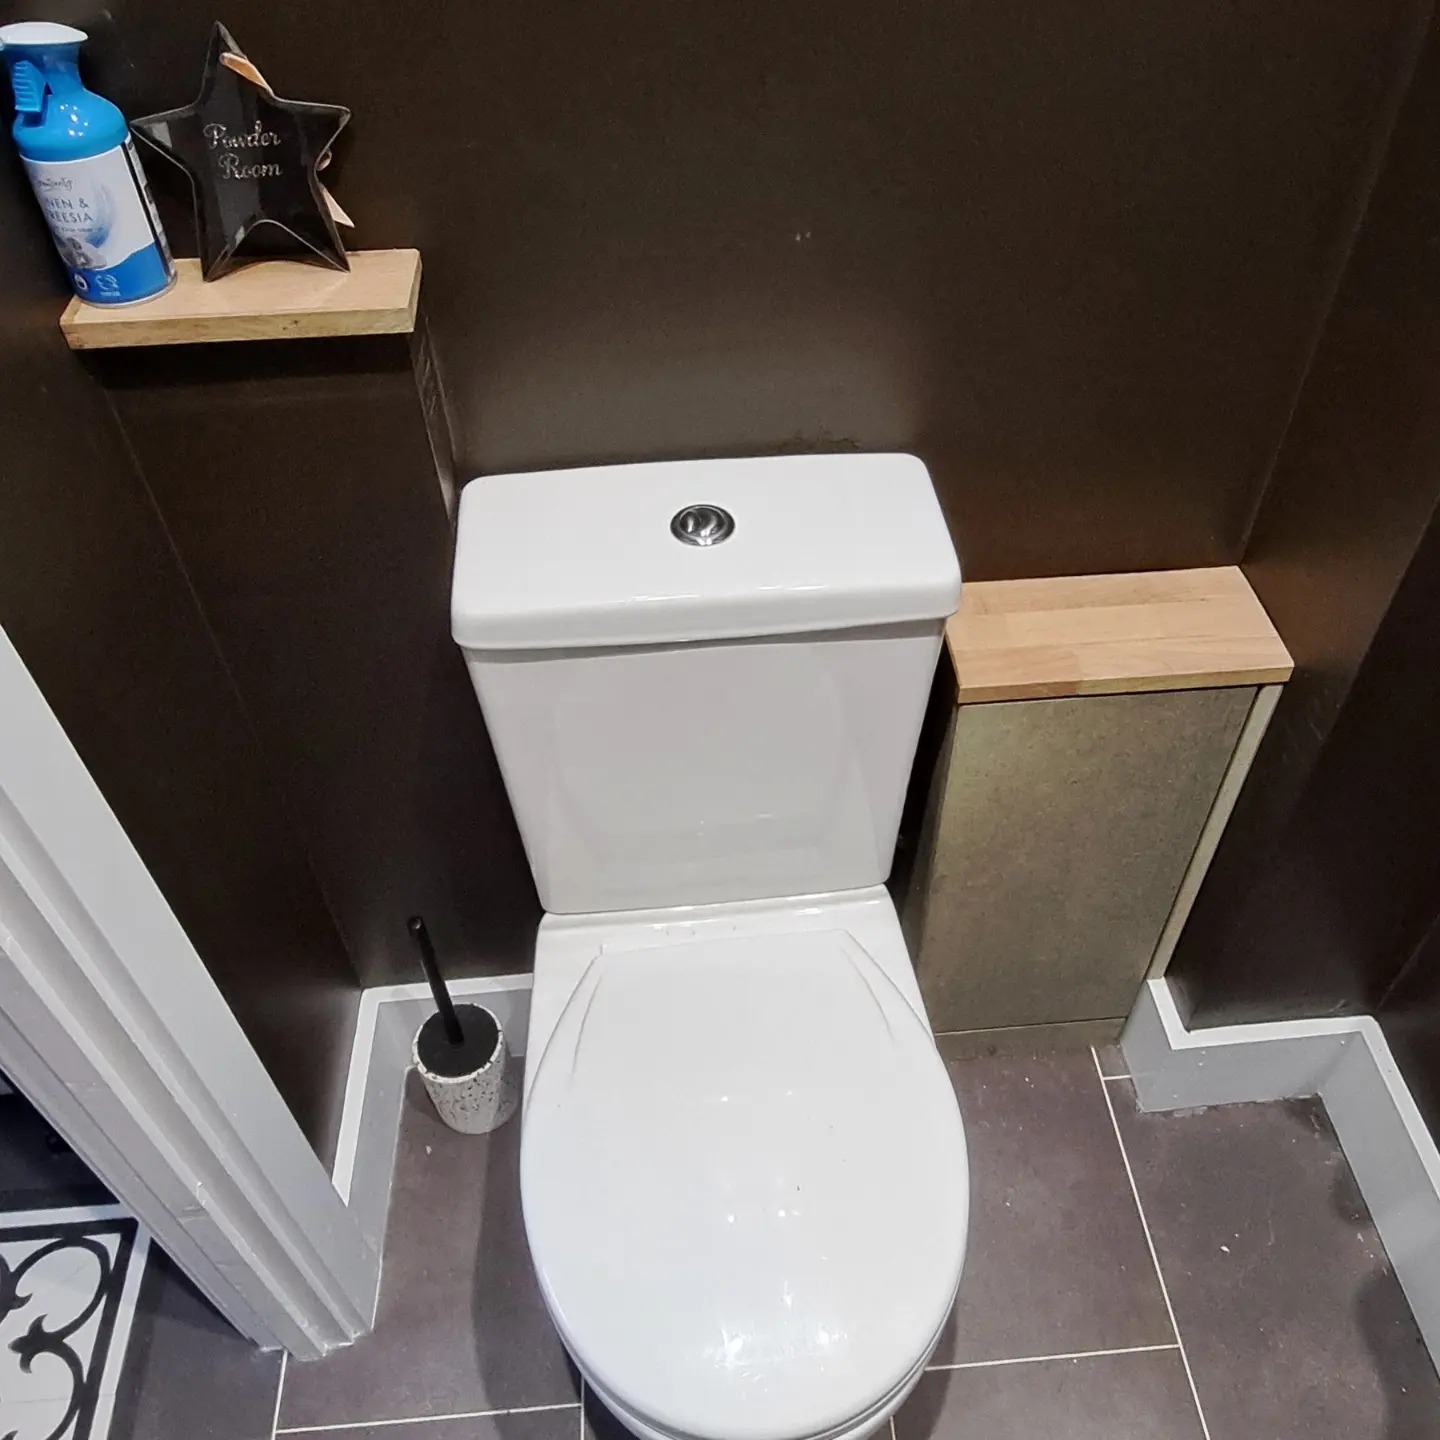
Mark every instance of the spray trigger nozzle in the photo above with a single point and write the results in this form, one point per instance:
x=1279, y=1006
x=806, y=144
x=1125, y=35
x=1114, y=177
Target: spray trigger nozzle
x=29, y=83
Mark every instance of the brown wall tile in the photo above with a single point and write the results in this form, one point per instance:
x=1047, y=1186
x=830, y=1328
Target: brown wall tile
x=94, y=599
x=1326, y=869
x=1074, y=256
x=313, y=523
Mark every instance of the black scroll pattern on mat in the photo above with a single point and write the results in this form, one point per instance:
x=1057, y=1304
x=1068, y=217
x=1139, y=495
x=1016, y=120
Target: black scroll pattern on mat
x=41, y=1337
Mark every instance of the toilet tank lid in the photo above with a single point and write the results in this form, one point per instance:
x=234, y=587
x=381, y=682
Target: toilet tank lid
x=579, y=558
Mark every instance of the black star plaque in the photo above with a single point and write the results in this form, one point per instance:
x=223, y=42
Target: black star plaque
x=251, y=158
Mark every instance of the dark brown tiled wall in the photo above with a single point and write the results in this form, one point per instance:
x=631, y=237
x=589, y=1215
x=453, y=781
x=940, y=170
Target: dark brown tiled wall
x=1328, y=877
x=96, y=601
x=1073, y=256
x=311, y=511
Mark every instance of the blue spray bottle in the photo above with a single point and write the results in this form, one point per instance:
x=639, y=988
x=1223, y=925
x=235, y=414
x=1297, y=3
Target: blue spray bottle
x=77, y=149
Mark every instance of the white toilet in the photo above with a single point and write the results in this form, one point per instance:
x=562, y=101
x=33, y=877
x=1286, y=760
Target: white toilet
x=743, y=1169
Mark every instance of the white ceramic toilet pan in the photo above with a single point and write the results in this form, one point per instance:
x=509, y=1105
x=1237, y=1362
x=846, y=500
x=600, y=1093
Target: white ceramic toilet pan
x=857, y=1429
x=743, y=1169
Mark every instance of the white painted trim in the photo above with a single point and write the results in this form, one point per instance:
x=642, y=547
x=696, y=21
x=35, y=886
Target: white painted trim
x=1396, y=1164
x=1174, y=1068
x=111, y=1025
x=356, y=1079
x=1346, y=1061
x=375, y=1084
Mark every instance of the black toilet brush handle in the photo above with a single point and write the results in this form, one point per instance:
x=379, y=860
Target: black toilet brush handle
x=443, y=1003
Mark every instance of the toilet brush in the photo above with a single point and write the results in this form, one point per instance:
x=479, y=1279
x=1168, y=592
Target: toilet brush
x=461, y=1054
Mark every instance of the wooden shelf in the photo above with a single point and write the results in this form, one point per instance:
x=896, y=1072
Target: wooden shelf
x=266, y=300
x=1112, y=634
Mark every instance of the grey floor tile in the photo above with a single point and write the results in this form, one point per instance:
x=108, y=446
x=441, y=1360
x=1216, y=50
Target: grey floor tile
x=531, y=1425
x=1057, y=1257
x=600, y=1424
x=188, y=1375
x=1106, y=1397
x=1292, y=1318
x=38, y=1171
x=461, y=1326
x=1112, y=1060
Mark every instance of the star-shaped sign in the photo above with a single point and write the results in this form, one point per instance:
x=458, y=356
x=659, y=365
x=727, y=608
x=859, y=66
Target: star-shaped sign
x=251, y=158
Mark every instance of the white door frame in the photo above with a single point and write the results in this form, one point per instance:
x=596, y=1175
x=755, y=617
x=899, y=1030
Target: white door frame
x=111, y=1024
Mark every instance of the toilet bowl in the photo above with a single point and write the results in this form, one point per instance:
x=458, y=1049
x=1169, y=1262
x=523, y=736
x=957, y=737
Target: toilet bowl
x=742, y=1165
x=743, y=1171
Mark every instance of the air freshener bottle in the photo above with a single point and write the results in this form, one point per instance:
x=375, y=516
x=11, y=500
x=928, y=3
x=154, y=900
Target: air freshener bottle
x=82, y=165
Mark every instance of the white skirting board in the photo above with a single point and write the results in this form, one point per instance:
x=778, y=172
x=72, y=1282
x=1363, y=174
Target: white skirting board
x=1348, y=1064
x=375, y=1087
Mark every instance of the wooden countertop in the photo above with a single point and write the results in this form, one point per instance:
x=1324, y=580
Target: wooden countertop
x=265, y=300
x=1112, y=634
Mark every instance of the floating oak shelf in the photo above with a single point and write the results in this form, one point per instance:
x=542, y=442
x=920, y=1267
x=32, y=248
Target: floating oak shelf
x=266, y=300
x=1112, y=634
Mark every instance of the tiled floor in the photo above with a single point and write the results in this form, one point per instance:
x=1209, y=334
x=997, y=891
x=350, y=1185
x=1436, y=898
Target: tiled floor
x=461, y=1326
x=188, y=1375
x=37, y=1169
x=1127, y=1272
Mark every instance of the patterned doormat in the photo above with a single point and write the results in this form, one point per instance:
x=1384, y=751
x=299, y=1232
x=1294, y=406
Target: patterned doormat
x=68, y=1282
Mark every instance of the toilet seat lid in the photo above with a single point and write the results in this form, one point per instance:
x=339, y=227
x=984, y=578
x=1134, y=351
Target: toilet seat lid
x=744, y=1181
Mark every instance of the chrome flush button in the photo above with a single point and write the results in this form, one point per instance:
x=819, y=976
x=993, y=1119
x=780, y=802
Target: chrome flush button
x=702, y=525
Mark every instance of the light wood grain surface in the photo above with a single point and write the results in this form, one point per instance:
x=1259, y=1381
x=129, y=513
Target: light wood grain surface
x=266, y=300
x=1112, y=634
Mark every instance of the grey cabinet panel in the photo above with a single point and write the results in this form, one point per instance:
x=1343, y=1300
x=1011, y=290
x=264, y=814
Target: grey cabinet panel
x=1063, y=834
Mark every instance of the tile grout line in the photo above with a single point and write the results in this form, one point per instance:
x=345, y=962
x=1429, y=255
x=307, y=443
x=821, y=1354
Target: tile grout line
x=1150, y=1243
x=582, y=1408
x=427, y=1419
x=1116, y=1077
x=1041, y=1359
x=279, y=1391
